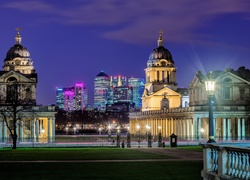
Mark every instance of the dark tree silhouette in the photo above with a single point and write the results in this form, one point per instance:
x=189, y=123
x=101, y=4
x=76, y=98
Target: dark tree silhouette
x=16, y=100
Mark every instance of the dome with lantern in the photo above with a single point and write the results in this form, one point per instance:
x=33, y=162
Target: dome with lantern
x=18, y=57
x=160, y=56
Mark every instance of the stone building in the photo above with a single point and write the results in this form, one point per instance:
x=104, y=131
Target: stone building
x=35, y=123
x=163, y=110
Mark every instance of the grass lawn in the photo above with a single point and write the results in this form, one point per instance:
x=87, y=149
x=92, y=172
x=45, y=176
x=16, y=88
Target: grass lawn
x=93, y=170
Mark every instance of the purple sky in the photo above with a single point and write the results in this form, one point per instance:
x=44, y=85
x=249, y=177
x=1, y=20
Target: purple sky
x=72, y=41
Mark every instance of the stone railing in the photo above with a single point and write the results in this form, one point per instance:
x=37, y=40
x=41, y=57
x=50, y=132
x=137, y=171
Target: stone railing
x=44, y=108
x=226, y=161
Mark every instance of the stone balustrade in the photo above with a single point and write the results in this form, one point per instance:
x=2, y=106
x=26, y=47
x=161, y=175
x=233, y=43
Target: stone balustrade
x=226, y=161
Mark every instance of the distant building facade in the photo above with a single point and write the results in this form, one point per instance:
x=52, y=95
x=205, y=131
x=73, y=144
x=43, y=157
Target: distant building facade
x=72, y=98
x=138, y=88
x=35, y=124
x=184, y=112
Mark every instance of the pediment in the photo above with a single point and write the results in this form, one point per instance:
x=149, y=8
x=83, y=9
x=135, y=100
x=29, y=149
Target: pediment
x=233, y=77
x=20, y=77
x=167, y=91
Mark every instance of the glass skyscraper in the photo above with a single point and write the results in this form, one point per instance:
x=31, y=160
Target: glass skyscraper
x=138, y=88
x=102, y=91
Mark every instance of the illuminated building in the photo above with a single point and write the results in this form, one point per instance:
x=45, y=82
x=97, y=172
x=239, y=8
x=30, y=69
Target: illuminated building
x=138, y=87
x=118, y=81
x=102, y=91
x=37, y=124
x=72, y=98
x=123, y=94
x=160, y=86
x=60, y=98
x=185, y=112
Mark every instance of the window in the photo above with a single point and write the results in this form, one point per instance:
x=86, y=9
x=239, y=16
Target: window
x=226, y=89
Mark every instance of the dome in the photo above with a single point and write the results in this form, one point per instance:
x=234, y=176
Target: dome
x=160, y=55
x=17, y=51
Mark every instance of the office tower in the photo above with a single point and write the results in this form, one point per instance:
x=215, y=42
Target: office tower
x=138, y=87
x=118, y=81
x=123, y=94
x=102, y=91
x=72, y=98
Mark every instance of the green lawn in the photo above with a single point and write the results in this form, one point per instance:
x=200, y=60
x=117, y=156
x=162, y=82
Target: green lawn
x=93, y=170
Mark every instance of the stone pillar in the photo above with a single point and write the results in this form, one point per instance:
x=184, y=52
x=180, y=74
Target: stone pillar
x=239, y=128
x=199, y=126
x=215, y=127
x=228, y=129
x=37, y=130
x=243, y=129
x=48, y=128
x=188, y=129
x=1, y=131
x=53, y=130
x=4, y=132
x=21, y=131
x=224, y=129
x=32, y=130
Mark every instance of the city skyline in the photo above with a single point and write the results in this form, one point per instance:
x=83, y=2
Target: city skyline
x=73, y=42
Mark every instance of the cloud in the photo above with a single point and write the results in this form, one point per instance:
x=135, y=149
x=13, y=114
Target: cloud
x=134, y=21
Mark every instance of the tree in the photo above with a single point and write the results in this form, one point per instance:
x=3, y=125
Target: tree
x=16, y=100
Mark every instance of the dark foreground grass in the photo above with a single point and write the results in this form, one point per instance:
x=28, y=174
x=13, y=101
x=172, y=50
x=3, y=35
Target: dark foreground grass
x=171, y=170
x=193, y=148
x=35, y=154
x=93, y=170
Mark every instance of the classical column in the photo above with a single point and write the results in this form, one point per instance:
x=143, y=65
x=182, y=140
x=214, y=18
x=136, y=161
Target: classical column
x=21, y=131
x=32, y=130
x=199, y=126
x=37, y=129
x=4, y=132
x=48, y=129
x=243, y=129
x=53, y=130
x=1, y=131
x=224, y=129
x=215, y=125
x=239, y=129
x=228, y=129
x=188, y=130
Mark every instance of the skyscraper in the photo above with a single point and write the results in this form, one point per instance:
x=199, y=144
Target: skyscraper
x=102, y=91
x=72, y=98
x=138, y=87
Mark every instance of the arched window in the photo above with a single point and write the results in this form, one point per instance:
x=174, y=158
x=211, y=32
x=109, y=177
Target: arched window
x=227, y=88
x=12, y=90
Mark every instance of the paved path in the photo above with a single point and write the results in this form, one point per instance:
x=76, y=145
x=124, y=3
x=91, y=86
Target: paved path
x=177, y=154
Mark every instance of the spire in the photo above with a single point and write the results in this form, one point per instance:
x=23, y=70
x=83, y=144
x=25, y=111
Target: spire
x=160, y=40
x=18, y=37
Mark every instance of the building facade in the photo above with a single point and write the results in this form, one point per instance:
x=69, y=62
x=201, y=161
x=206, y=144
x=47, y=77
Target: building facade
x=188, y=118
x=18, y=82
x=138, y=88
x=72, y=98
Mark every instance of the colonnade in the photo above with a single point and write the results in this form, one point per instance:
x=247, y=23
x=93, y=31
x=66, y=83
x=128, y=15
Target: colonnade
x=193, y=126
x=31, y=130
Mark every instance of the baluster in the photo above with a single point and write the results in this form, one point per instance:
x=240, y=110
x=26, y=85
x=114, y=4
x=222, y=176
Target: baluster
x=233, y=164
x=244, y=158
x=247, y=166
x=240, y=165
x=216, y=161
x=236, y=164
x=229, y=164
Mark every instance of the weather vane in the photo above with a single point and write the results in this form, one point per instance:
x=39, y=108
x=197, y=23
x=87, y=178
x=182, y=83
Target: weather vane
x=18, y=29
x=161, y=32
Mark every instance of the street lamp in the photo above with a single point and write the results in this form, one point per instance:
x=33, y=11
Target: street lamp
x=159, y=137
x=109, y=132
x=138, y=135
x=118, y=136
x=100, y=131
x=210, y=88
x=149, y=137
x=128, y=138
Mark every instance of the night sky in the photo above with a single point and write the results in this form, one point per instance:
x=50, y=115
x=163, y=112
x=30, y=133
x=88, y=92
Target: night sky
x=72, y=41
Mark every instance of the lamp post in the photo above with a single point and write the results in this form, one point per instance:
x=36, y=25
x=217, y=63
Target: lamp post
x=159, y=137
x=149, y=137
x=109, y=132
x=118, y=136
x=138, y=135
x=210, y=87
x=128, y=138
